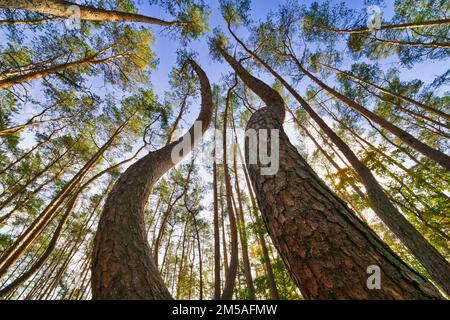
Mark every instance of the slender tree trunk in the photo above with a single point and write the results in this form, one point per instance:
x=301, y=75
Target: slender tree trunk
x=163, y=226
x=62, y=222
x=403, y=26
x=428, y=256
x=391, y=93
x=26, y=154
x=27, y=197
x=435, y=45
x=23, y=188
x=224, y=239
x=217, y=282
x=404, y=136
x=8, y=82
x=121, y=271
x=62, y=9
x=183, y=254
x=179, y=116
x=262, y=241
x=20, y=246
x=318, y=236
x=243, y=234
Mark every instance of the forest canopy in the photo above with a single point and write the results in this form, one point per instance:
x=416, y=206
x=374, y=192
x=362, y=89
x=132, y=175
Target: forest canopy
x=224, y=149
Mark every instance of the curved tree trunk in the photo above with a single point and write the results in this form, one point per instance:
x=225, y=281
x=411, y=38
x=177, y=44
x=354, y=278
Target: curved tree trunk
x=122, y=263
x=326, y=248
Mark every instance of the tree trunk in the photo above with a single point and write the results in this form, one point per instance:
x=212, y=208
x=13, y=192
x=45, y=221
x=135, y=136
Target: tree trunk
x=8, y=82
x=57, y=233
x=243, y=234
x=391, y=93
x=216, y=219
x=21, y=245
x=262, y=241
x=62, y=9
x=324, y=245
x=121, y=270
x=404, y=136
x=403, y=26
x=428, y=256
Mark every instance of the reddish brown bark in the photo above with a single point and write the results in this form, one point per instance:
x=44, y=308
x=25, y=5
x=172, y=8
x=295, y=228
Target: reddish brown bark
x=326, y=248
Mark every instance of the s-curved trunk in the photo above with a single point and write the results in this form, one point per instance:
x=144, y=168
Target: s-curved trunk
x=122, y=264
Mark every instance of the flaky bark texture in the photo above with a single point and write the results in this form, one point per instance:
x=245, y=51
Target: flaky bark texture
x=122, y=263
x=427, y=255
x=64, y=9
x=324, y=245
x=326, y=248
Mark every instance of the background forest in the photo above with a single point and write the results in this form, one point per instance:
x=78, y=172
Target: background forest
x=96, y=95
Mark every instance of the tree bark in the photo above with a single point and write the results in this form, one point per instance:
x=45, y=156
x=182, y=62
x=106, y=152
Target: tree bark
x=428, y=256
x=326, y=248
x=62, y=9
x=122, y=263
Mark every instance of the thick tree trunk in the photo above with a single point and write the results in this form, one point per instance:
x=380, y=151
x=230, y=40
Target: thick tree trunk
x=62, y=9
x=428, y=256
x=325, y=247
x=122, y=263
x=391, y=93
